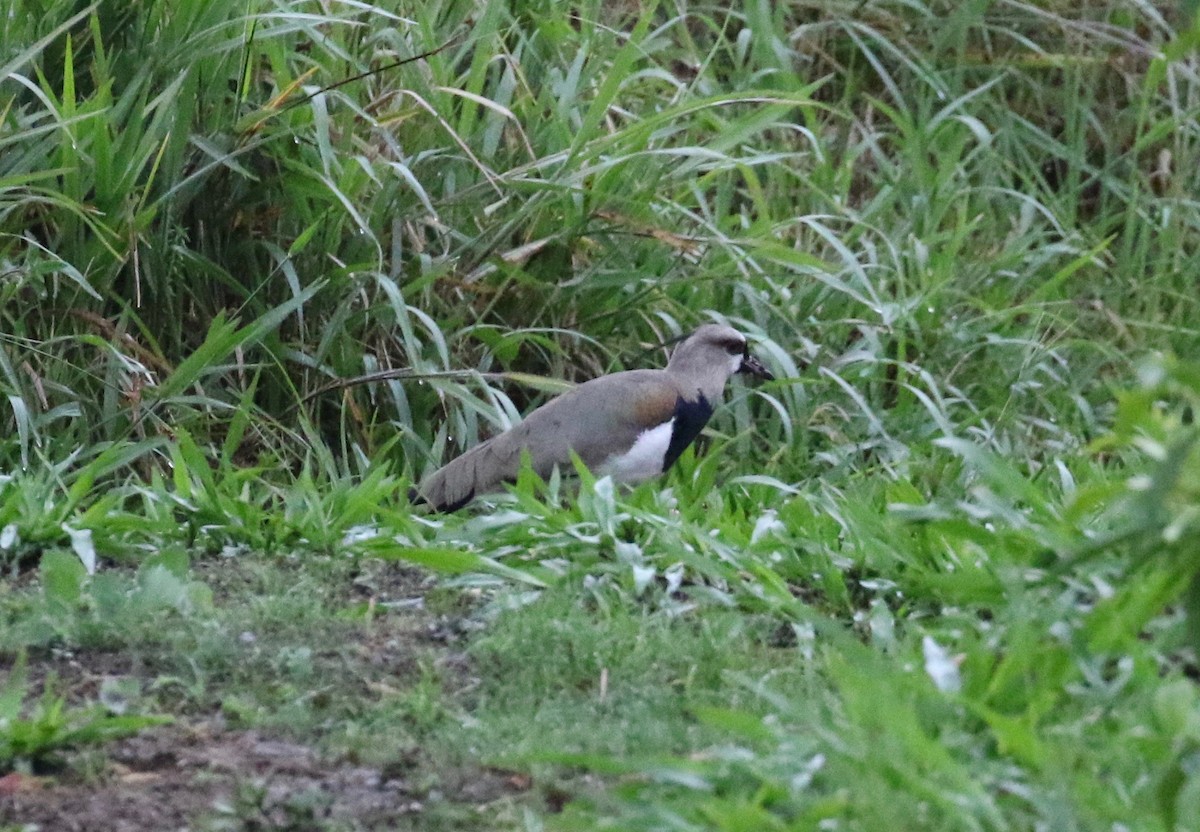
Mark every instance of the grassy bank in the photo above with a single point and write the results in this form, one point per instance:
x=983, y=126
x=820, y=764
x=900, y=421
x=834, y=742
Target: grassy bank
x=939, y=574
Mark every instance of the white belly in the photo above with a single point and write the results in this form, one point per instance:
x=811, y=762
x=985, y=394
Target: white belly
x=644, y=460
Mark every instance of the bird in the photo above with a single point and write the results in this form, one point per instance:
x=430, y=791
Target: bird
x=631, y=425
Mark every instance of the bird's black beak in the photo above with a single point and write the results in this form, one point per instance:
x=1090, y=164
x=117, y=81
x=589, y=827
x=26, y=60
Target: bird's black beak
x=754, y=367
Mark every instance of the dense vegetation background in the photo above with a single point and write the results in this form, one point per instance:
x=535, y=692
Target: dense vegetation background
x=939, y=575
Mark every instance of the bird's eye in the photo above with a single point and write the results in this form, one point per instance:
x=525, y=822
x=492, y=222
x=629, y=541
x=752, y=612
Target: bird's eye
x=735, y=348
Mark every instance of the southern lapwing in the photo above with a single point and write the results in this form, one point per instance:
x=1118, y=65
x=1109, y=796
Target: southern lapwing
x=631, y=425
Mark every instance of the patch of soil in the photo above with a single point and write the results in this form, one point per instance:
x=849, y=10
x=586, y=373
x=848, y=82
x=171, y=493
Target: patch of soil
x=78, y=674
x=180, y=778
x=205, y=776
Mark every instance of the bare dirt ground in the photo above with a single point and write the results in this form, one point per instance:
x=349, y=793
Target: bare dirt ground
x=202, y=773
x=203, y=776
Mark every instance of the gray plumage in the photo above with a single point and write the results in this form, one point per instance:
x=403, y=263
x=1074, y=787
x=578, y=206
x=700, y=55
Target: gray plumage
x=602, y=419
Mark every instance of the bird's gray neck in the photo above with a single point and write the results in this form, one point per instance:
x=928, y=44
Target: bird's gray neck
x=707, y=379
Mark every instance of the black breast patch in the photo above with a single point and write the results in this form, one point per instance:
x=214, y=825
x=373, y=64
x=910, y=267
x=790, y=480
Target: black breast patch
x=690, y=419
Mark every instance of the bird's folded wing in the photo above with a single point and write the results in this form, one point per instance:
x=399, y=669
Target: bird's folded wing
x=596, y=420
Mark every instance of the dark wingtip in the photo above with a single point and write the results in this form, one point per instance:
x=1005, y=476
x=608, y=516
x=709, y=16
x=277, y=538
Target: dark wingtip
x=449, y=507
x=416, y=498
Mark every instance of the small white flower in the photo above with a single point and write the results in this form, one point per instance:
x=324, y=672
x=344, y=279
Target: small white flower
x=941, y=667
x=767, y=524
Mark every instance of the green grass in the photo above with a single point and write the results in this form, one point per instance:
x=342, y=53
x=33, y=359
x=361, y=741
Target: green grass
x=577, y=670
x=938, y=575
